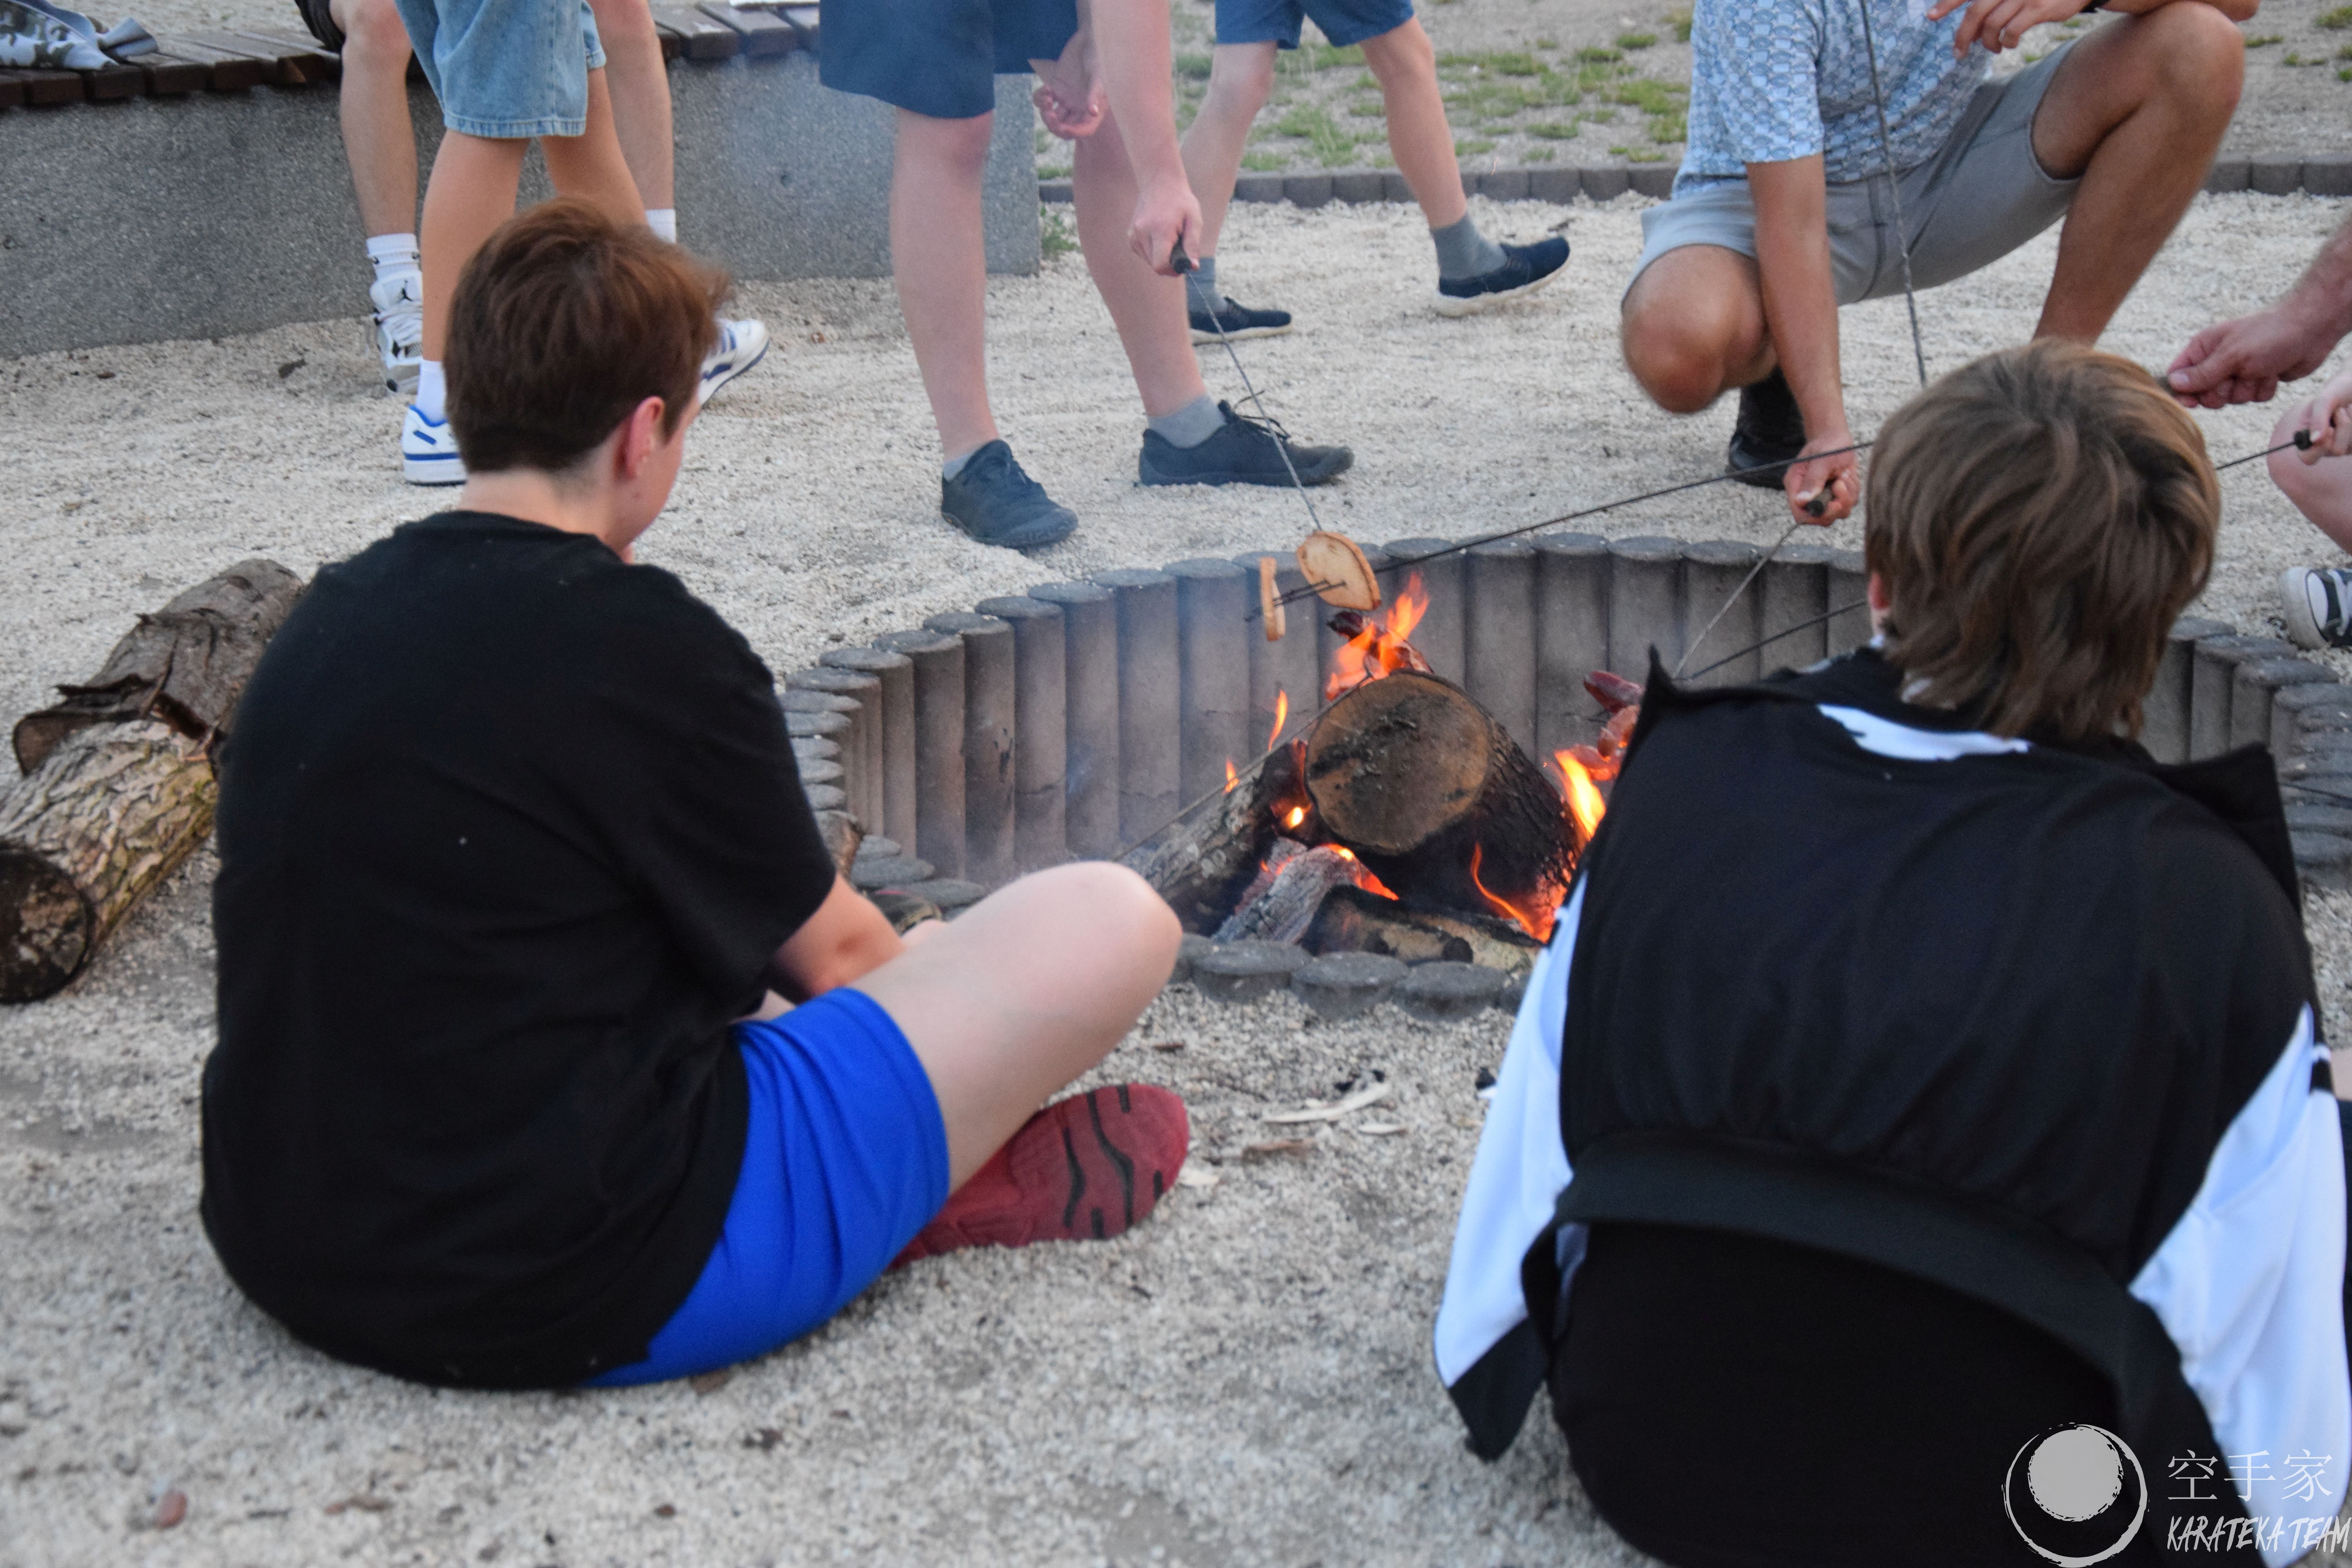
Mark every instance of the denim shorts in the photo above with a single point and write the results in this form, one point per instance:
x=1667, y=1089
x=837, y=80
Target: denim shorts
x=1344, y=22
x=1982, y=195
x=845, y=1159
x=938, y=58
x=506, y=69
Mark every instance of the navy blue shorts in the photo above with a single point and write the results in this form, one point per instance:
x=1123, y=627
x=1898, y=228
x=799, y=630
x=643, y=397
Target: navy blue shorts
x=1344, y=22
x=939, y=57
x=845, y=1159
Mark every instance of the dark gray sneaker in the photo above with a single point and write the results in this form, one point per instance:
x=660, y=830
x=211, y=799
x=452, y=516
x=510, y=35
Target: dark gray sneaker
x=1232, y=321
x=991, y=499
x=1245, y=452
x=1771, y=431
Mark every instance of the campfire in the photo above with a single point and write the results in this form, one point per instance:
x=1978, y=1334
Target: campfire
x=1405, y=821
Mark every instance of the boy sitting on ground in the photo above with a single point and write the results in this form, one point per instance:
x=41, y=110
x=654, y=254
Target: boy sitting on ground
x=1919, y=1068
x=513, y=842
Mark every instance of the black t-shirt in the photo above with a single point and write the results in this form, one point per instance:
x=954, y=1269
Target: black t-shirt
x=510, y=831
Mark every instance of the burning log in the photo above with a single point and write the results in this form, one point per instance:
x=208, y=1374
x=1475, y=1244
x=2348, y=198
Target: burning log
x=1354, y=920
x=1281, y=904
x=1435, y=796
x=118, y=787
x=1201, y=866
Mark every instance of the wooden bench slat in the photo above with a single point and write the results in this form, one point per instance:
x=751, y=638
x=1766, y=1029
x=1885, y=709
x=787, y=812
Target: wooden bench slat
x=705, y=38
x=804, y=19
x=314, y=59
x=43, y=88
x=113, y=82
x=228, y=72
x=169, y=78
x=763, y=36
x=280, y=70
x=673, y=42
x=12, y=91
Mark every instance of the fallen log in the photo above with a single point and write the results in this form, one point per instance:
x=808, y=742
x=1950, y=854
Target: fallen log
x=1353, y=921
x=1436, y=799
x=118, y=787
x=1199, y=865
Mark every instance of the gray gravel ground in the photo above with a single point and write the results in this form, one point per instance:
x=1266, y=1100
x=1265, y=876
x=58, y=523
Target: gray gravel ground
x=1246, y=1379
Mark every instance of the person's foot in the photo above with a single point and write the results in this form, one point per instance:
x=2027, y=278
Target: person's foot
x=1525, y=270
x=742, y=346
x=996, y=502
x=1084, y=1168
x=1771, y=431
x=1246, y=451
x=428, y=450
x=1232, y=321
x=399, y=330
x=2318, y=604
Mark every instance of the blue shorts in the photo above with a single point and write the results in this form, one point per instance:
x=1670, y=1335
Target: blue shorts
x=939, y=57
x=845, y=1159
x=1344, y=22
x=507, y=68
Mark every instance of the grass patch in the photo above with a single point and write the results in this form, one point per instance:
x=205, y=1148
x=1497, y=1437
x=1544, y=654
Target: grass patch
x=1668, y=129
x=1313, y=124
x=1054, y=235
x=1264, y=163
x=1679, y=19
x=2296, y=59
x=1539, y=154
x=1636, y=40
x=1519, y=63
x=1594, y=55
x=1375, y=109
x=2266, y=40
x=2334, y=21
x=1473, y=147
x=1486, y=101
x=1192, y=68
x=1552, y=130
x=2345, y=74
x=1547, y=43
x=1316, y=56
x=1649, y=95
x=1638, y=154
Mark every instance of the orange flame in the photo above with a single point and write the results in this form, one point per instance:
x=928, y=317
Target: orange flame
x=1378, y=649
x=1364, y=877
x=1281, y=716
x=1233, y=779
x=1537, y=925
x=1583, y=797
x=1294, y=816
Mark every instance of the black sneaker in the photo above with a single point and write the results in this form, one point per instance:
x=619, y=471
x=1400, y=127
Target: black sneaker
x=1771, y=431
x=992, y=500
x=1232, y=321
x=1525, y=270
x=1245, y=452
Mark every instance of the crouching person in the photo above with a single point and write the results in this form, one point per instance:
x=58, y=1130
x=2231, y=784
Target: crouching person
x=512, y=844
x=1916, y=1137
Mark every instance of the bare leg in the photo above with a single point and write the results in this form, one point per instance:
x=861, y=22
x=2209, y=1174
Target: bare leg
x=2322, y=491
x=377, y=136
x=1419, y=140
x=1148, y=309
x=2137, y=110
x=472, y=191
x=640, y=87
x=590, y=164
x=1693, y=327
x=1240, y=75
x=1025, y=990
x=940, y=265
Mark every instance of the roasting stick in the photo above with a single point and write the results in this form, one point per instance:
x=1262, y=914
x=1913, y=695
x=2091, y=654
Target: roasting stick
x=1183, y=265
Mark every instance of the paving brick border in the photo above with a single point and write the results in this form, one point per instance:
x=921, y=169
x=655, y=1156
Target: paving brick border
x=2274, y=174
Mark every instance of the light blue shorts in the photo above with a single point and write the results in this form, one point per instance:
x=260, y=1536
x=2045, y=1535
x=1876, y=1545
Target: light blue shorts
x=506, y=69
x=845, y=1159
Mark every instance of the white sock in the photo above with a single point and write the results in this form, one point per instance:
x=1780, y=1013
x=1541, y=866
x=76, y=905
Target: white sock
x=431, y=391
x=662, y=221
x=394, y=254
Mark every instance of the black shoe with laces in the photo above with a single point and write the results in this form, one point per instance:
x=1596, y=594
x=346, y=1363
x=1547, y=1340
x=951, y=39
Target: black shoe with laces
x=1246, y=451
x=995, y=502
x=1771, y=431
x=1525, y=270
x=1232, y=321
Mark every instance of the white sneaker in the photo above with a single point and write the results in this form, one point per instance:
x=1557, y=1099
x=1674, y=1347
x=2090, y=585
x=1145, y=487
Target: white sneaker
x=2318, y=605
x=742, y=346
x=400, y=328
x=428, y=450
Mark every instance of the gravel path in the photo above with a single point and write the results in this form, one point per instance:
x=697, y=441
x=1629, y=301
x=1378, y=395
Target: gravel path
x=1246, y=1380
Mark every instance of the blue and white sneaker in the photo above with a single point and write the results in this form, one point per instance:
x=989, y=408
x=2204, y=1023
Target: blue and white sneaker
x=399, y=330
x=428, y=450
x=2318, y=602
x=742, y=346
x=1525, y=270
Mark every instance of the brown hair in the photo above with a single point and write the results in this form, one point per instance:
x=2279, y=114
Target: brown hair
x=563, y=322
x=2039, y=517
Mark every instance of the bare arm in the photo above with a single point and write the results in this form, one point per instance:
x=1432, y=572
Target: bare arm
x=1138, y=63
x=1792, y=261
x=846, y=939
x=2243, y=361
x=2000, y=24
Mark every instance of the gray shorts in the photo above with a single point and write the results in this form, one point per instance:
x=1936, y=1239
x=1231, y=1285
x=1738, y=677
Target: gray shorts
x=1980, y=197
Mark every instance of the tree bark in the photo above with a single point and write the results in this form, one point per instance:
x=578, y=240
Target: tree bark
x=1353, y=921
x=1436, y=799
x=1202, y=865
x=187, y=664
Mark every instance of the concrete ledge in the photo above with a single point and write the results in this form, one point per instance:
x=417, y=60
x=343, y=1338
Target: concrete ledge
x=153, y=218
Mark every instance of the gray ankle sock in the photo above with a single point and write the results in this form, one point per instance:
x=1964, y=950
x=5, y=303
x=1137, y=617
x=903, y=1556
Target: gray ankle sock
x=954, y=466
x=1190, y=425
x=1202, y=282
x=1464, y=252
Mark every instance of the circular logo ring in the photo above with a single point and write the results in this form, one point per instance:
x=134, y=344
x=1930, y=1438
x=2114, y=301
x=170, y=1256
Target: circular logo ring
x=2139, y=1514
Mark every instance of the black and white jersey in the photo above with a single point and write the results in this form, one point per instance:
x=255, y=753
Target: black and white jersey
x=2028, y=1022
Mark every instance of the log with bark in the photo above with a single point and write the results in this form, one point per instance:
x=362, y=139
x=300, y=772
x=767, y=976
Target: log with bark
x=1354, y=920
x=118, y=787
x=1435, y=797
x=1200, y=865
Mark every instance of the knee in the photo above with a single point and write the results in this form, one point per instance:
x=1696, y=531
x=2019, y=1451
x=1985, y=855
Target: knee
x=956, y=146
x=1242, y=80
x=1678, y=363
x=1402, y=52
x=2200, y=59
x=1122, y=915
x=374, y=32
